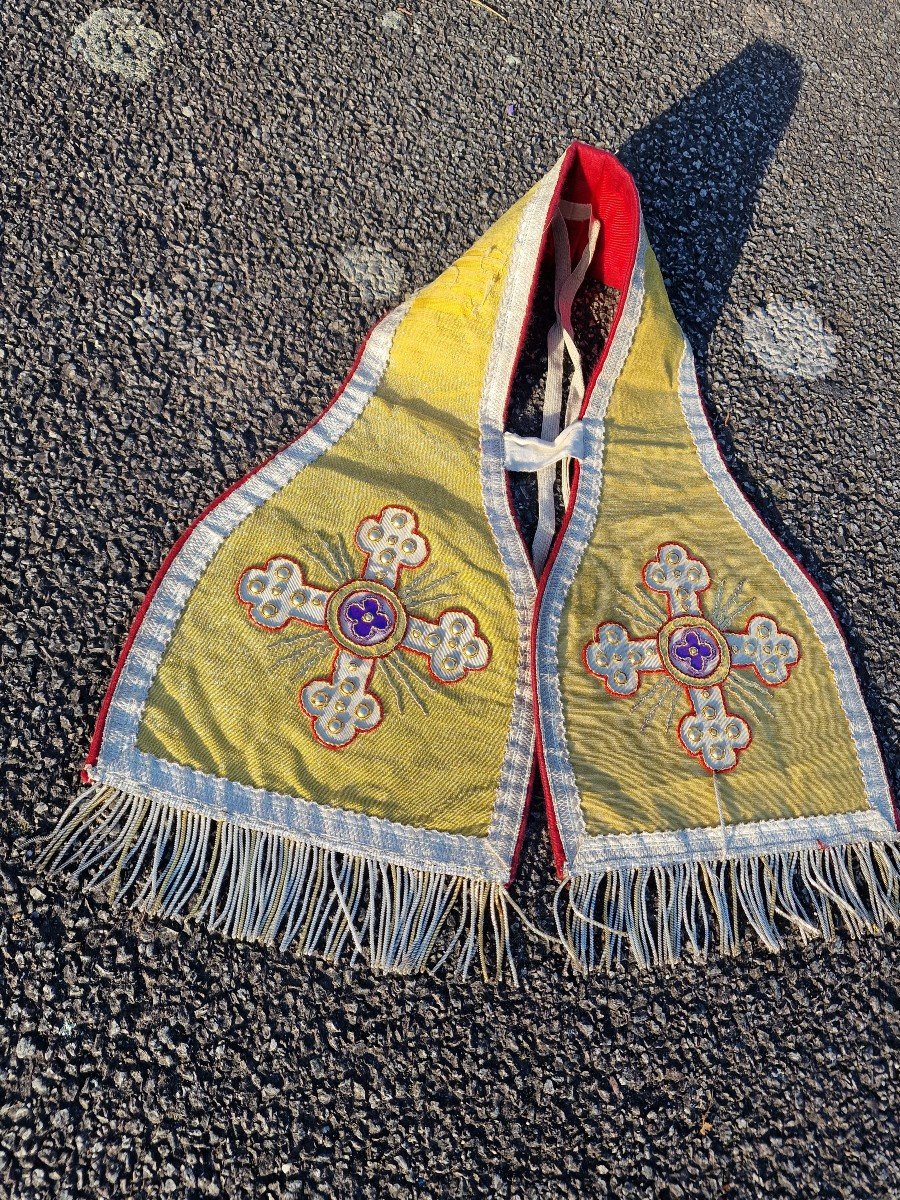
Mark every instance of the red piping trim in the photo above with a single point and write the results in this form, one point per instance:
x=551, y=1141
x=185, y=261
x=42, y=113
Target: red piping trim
x=520, y=836
x=790, y=667
x=312, y=720
x=416, y=532
x=575, y=150
x=559, y=857
x=249, y=604
x=699, y=753
x=427, y=654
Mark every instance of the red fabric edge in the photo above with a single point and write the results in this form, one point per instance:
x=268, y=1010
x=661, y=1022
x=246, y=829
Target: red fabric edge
x=599, y=159
x=529, y=795
x=595, y=163
x=97, y=738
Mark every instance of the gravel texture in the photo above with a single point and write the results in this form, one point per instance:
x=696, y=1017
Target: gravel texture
x=192, y=247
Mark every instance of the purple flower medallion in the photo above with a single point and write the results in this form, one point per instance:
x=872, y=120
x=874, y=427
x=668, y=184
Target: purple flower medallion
x=366, y=618
x=694, y=651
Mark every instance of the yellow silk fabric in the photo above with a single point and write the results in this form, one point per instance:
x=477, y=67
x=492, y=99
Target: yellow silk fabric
x=222, y=704
x=633, y=774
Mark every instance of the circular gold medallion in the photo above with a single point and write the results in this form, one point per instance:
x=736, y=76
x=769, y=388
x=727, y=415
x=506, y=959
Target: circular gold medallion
x=366, y=618
x=694, y=652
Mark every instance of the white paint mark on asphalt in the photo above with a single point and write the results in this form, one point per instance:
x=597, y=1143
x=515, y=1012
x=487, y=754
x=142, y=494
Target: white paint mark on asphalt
x=393, y=19
x=374, y=273
x=512, y=60
x=115, y=41
x=790, y=338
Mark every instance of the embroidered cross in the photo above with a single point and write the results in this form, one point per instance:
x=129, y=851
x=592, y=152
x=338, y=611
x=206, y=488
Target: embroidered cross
x=696, y=654
x=366, y=620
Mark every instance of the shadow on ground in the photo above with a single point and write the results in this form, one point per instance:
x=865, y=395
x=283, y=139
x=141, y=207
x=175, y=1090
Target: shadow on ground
x=709, y=153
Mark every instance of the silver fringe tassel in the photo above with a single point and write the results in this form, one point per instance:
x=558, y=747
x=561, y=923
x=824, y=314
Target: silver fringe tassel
x=273, y=888
x=661, y=913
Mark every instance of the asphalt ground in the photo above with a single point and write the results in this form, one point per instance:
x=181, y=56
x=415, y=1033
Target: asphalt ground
x=199, y=223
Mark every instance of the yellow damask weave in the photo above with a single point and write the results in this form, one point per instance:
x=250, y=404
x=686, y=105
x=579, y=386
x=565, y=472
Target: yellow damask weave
x=633, y=773
x=219, y=702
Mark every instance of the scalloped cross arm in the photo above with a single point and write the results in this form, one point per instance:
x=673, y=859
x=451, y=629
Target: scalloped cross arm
x=366, y=619
x=696, y=654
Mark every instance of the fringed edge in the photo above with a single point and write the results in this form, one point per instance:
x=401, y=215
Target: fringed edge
x=276, y=889
x=661, y=913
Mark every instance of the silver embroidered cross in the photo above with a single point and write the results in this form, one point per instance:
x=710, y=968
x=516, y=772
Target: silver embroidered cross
x=366, y=620
x=696, y=654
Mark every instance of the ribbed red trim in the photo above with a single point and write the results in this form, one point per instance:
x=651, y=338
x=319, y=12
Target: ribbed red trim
x=596, y=177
